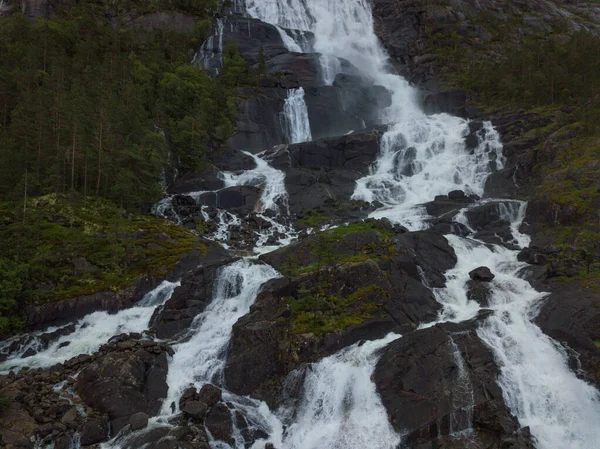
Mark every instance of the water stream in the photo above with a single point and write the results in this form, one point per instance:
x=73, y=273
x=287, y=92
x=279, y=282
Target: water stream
x=420, y=157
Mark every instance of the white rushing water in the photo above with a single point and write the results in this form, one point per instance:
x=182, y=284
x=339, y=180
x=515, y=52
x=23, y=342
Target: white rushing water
x=424, y=156
x=91, y=332
x=201, y=359
x=340, y=407
x=295, y=117
x=421, y=156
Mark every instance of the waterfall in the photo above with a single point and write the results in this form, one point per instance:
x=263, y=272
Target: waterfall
x=210, y=56
x=274, y=196
x=89, y=333
x=201, y=359
x=295, y=117
x=423, y=156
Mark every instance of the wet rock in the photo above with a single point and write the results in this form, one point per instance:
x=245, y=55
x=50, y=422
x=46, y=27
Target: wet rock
x=219, y=423
x=138, y=421
x=571, y=314
x=195, y=409
x=449, y=101
x=448, y=205
x=420, y=376
x=210, y=395
x=479, y=292
x=241, y=199
x=482, y=274
x=122, y=384
x=188, y=300
x=492, y=221
x=322, y=173
x=533, y=256
x=94, y=431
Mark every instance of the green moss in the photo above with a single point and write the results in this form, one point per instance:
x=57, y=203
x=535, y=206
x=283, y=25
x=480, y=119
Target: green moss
x=318, y=313
x=337, y=259
x=58, y=233
x=360, y=226
x=597, y=343
x=313, y=218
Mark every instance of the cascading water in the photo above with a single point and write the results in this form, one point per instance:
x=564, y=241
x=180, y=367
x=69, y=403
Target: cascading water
x=295, y=117
x=201, y=359
x=89, y=333
x=424, y=156
x=340, y=407
x=421, y=156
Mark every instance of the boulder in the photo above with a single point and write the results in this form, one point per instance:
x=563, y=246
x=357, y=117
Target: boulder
x=219, y=423
x=195, y=410
x=138, y=421
x=533, y=256
x=122, y=384
x=447, y=206
x=480, y=292
x=442, y=380
x=482, y=274
x=94, y=431
x=210, y=395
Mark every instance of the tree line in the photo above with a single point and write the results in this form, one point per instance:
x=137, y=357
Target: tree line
x=97, y=108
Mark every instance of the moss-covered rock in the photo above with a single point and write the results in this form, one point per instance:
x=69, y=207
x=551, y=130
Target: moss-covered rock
x=63, y=247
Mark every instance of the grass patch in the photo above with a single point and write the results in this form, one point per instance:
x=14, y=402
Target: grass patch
x=63, y=247
x=317, y=312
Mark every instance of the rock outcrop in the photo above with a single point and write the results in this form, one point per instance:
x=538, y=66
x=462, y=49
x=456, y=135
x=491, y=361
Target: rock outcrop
x=438, y=385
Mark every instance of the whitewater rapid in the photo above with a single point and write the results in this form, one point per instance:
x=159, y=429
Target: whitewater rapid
x=421, y=156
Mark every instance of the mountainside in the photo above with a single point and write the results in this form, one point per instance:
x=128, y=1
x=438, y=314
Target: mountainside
x=306, y=224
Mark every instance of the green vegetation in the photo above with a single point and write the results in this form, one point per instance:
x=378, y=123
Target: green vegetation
x=318, y=312
x=95, y=107
x=3, y=401
x=64, y=247
x=316, y=308
x=597, y=343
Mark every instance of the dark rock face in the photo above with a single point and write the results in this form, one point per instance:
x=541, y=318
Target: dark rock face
x=219, y=423
x=355, y=100
x=195, y=182
x=533, y=256
x=571, y=314
x=491, y=221
x=260, y=347
x=428, y=250
x=242, y=199
x=138, y=421
x=448, y=206
x=443, y=378
x=73, y=308
x=122, y=384
x=449, y=101
x=94, y=431
x=188, y=300
x=324, y=171
x=266, y=345
x=482, y=274
x=479, y=292
x=258, y=120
